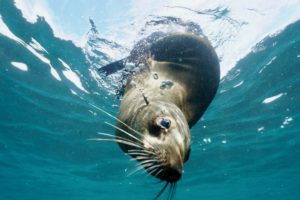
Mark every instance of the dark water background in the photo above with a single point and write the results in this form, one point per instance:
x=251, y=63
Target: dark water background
x=246, y=146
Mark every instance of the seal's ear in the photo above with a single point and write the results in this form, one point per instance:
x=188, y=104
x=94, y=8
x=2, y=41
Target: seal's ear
x=113, y=67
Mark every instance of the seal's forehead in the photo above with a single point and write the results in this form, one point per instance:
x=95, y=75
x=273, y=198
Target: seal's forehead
x=165, y=109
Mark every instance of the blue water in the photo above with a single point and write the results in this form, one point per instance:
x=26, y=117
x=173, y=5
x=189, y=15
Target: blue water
x=246, y=146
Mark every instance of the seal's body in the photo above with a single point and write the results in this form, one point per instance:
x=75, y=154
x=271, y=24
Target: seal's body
x=164, y=100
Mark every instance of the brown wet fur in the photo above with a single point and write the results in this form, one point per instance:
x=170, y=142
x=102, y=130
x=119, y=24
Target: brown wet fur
x=191, y=65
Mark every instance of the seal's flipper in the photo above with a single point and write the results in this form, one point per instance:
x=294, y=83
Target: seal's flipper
x=113, y=67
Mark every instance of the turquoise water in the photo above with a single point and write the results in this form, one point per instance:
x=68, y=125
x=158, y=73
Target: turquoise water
x=246, y=146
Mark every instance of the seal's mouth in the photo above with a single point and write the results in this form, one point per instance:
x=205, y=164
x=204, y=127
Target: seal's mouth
x=170, y=175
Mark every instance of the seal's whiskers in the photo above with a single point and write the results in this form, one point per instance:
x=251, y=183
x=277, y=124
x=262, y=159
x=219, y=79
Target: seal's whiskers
x=172, y=191
x=117, y=140
x=153, y=167
x=140, y=158
x=118, y=137
x=138, y=154
x=152, y=171
x=148, y=161
x=138, y=168
x=157, y=172
x=122, y=130
x=161, y=191
x=142, y=150
x=147, y=166
x=110, y=115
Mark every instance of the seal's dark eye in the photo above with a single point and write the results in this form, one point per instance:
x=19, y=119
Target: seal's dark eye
x=163, y=123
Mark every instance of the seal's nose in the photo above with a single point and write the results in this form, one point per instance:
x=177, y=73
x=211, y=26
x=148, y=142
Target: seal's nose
x=174, y=171
x=173, y=174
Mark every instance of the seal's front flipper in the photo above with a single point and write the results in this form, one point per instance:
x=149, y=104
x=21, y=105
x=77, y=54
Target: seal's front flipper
x=113, y=67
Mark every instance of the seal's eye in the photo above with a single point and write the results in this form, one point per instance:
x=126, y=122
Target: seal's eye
x=163, y=123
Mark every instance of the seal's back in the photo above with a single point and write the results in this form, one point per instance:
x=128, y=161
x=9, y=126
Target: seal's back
x=192, y=61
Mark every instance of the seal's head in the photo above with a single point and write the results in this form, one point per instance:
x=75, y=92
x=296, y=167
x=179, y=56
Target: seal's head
x=162, y=139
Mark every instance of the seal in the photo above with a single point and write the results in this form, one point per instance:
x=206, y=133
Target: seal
x=163, y=100
x=177, y=79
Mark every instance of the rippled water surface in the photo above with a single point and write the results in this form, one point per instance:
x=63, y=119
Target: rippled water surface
x=246, y=145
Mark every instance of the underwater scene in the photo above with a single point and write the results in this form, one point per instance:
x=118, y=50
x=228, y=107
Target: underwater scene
x=54, y=99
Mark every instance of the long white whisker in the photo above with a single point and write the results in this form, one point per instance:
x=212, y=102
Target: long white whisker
x=158, y=172
x=139, y=158
x=115, y=140
x=117, y=137
x=153, y=167
x=161, y=191
x=172, y=191
x=110, y=135
x=142, y=150
x=148, y=161
x=114, y=136
x=118, y=120
x=147, y=165
x=138, y=154
x=130, y=135
x=135, y=170
x=153, y=170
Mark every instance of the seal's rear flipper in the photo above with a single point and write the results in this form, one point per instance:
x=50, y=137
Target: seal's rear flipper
x=113, y=67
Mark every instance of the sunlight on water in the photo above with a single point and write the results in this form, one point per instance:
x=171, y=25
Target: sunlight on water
x=273, y=98
x=19, y=65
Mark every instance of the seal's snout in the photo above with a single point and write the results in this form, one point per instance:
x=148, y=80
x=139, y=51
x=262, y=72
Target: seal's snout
x=173, y=166
x=174, y=169
x=173, y=173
